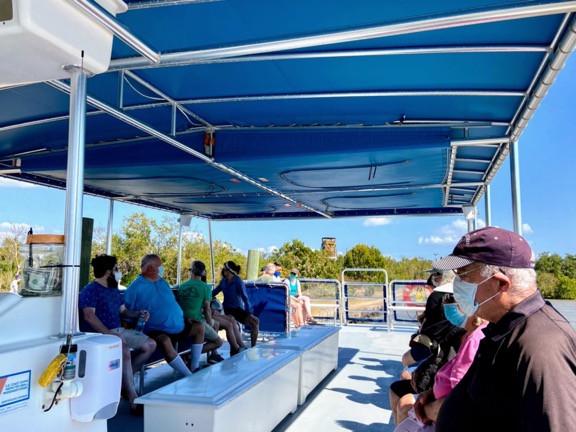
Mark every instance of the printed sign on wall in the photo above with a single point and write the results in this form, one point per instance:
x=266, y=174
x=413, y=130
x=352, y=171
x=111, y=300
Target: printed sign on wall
x=14, y=391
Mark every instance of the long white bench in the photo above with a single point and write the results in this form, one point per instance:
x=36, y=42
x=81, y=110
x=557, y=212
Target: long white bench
x=318, y=346
x=254, y=390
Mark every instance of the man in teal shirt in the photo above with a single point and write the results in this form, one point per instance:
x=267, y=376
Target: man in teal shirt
x=195, y=296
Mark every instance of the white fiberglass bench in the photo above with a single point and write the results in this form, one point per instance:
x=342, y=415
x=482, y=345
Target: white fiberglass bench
x=318, y=346
x=254, y=390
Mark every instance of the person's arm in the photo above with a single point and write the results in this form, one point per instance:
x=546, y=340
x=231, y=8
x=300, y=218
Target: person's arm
x=207, y=313
x=127, y=313
x=217, y=290
x=425, y=398
x=91, y=318
x=243, y=295
x=298, y=289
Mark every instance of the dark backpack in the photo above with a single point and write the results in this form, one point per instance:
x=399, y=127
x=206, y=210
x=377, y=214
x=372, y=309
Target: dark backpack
x=444, y=342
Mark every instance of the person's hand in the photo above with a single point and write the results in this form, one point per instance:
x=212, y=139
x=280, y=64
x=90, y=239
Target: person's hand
x=145, y=314
x=424, y=398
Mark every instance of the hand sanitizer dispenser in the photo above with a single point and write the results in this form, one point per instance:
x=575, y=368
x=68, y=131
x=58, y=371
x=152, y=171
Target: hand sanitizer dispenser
x=99, y=369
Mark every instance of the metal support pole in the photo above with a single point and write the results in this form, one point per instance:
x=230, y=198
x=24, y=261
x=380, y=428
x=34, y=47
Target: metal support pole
x=487, y=208
x=109, y=230
x=515, y=180
x=211, y=251
x=74, y=202
x=179, y=266
x=470, y=216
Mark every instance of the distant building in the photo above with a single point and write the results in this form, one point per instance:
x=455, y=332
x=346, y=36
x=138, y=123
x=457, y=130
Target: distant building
x=329, y=244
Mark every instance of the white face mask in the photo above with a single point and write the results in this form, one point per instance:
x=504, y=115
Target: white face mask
x=161, y=271
x=118, y=276
x=465, y=295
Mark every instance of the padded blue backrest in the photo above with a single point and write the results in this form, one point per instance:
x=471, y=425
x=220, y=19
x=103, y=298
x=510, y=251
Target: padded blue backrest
x=270, y=305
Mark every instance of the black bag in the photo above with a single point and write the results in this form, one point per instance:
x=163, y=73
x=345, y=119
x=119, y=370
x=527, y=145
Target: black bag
x=445, y=339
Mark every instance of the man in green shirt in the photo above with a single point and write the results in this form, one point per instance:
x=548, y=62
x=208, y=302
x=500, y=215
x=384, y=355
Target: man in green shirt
x=195, y=297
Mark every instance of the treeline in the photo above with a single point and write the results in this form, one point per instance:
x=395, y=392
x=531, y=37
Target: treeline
x=557, y=276
x=141, y=235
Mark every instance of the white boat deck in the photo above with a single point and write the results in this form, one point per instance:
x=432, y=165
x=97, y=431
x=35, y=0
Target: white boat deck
x=352, y=398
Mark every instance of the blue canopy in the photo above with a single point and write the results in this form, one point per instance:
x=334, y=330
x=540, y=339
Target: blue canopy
x=300, y=109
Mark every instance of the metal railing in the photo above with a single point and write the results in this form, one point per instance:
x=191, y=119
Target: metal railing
x=364, y=301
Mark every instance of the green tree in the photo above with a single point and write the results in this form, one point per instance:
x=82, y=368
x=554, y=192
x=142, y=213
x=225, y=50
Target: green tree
x=566, y=288
x=547, y=263
x=363, y=256
x=547, y=284
x=10, y=259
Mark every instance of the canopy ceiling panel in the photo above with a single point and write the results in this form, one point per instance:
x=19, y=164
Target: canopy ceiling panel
x=270, y=109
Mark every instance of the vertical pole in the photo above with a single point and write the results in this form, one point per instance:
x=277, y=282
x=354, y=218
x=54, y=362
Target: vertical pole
x=211, y=251
x=470, y=216
x=74, y=202
x=515, y=180
x=109, y=230
x=487, y=208
x=179, y=266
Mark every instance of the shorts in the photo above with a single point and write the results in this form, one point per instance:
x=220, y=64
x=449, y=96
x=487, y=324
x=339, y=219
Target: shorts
x=239, y=314
x=134, y=339
x=174, y=337
x=402, y=387
x=209, y=333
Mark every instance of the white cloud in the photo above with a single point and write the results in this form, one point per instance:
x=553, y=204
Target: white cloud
x=527, y=229
x=6, y=182
x=269, y=249
x=449, y=234
x=8, y=229
x=193, y=235
x=376, y=221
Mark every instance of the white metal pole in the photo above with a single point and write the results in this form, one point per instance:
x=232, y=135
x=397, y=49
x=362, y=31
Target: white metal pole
x=179, y=266
x=211, y=251
x=109, y=230
x=74, y=202
x=515, y=180
x=487, y=207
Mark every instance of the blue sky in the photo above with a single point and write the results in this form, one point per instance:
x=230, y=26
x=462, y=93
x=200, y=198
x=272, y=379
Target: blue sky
x=547, y=177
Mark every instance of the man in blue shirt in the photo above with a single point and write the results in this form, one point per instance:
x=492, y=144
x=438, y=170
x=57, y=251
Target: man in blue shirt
x=166, y=324
x=101, y=306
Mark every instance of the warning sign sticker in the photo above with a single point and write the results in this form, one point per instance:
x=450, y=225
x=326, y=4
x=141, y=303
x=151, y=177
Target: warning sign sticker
x=14, y=391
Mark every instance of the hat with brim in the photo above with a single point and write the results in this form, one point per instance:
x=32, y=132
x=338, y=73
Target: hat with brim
x=452, y=262
x=492, y=246
x=446, y=288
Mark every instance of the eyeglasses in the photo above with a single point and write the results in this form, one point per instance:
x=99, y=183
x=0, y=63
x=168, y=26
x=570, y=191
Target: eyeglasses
x=460, y=274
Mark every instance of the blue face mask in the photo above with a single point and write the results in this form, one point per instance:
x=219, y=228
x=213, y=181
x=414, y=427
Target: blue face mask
x=161, y=271
x=277, y=274
x=453, y=315
x=465, y=295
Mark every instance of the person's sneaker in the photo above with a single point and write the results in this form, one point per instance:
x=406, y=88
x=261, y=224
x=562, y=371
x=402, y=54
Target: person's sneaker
x=215, y=358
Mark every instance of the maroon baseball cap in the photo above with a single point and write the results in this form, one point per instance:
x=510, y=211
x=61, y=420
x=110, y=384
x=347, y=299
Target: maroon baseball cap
x=490, y=245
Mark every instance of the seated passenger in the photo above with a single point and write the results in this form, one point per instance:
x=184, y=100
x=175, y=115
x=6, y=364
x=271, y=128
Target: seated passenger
x=296, y=294
x=166, y=325
x=236, y=301
x=195, y=297
x=420, y=413
x=267, y=275
x=101, y=307
x=433, y=313
x=441, y=338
